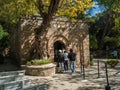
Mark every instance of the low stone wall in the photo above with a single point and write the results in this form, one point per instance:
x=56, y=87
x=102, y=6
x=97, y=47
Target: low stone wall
x=15, y=80
x=39, y=70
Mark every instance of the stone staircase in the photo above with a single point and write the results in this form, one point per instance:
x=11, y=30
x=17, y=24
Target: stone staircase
x=15, y=80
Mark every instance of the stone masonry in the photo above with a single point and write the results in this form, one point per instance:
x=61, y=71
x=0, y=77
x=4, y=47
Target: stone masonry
x=61, y=31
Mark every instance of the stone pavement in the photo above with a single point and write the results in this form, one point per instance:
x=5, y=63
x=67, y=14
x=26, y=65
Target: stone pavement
x=68, y=81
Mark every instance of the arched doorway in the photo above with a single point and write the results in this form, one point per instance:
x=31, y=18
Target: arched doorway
x=59, y=45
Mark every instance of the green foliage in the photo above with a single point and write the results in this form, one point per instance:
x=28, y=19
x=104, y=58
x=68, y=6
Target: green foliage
x=114, y=6
x=2, y=33
x=113, y=41
x=104, y=31
x=39, y=62
x=4, y=39
x=28, y=63
x=12, y=10
x=106, y=3
x=93, y=42
x=74, y=8
x=117, y=23
x=112, y=62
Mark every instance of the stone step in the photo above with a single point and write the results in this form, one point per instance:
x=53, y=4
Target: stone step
x=16, y=85
x=40, y=86
x=20, y=72
x=6, y=79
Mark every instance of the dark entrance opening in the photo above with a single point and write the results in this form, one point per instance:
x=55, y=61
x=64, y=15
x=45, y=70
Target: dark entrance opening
x=59, y=45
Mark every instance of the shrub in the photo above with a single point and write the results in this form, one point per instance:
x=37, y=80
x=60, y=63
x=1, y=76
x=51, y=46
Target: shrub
x=4, y=39
x=112, y=62
x=28, y=63
x=39, y=62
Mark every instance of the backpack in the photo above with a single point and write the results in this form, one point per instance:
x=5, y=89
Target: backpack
x=71, y=56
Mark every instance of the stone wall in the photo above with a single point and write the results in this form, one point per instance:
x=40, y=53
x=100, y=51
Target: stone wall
x=73, y=35
x=40, y=70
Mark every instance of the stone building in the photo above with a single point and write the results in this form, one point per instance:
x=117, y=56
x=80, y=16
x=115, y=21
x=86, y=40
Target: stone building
x=62, y=34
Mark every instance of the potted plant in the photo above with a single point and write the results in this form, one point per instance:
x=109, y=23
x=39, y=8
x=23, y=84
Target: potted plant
x=39, y=67
x=112, y=62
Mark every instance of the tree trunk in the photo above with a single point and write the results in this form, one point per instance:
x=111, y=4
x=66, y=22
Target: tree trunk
x=39, y=50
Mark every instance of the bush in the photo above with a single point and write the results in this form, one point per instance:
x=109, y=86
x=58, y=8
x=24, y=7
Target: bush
x=112, y=62
x=39, y=62
x=4, y=39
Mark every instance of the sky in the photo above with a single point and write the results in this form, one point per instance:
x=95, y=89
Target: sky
x=96, y=9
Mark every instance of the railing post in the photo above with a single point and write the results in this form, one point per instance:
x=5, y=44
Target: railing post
x=83, y=70
x=81, y=66
x=98, y=69
x=107, y=87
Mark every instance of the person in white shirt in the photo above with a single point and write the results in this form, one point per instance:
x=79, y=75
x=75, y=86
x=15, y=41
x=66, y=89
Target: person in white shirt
x=60, y=60
x=65, y=60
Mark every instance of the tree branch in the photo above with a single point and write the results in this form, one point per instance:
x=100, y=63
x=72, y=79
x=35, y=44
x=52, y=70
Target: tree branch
x=61, y=3
x=41, y=8
x=54, y=4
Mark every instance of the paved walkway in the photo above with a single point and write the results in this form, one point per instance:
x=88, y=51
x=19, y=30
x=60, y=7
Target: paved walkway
x=66, y=81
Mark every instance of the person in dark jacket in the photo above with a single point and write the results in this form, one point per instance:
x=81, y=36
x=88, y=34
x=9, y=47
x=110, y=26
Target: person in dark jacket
x=72, y=58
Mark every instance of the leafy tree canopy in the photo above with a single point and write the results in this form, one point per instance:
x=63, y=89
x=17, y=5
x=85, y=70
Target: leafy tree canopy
x=113, y=5
x=11, y=10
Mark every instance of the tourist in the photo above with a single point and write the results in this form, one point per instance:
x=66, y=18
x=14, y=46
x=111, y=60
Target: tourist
x=115, y=54
x=60, y=60
x=65, y=60
x=72, y=58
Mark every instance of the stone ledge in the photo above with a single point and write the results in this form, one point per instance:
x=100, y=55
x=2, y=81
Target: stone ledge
x=18, y=72
x=40, y=66
x=15, y=85
x=39, y=70
x=9, y=78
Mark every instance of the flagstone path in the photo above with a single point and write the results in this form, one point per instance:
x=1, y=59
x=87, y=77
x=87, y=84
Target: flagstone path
x=68, y=81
